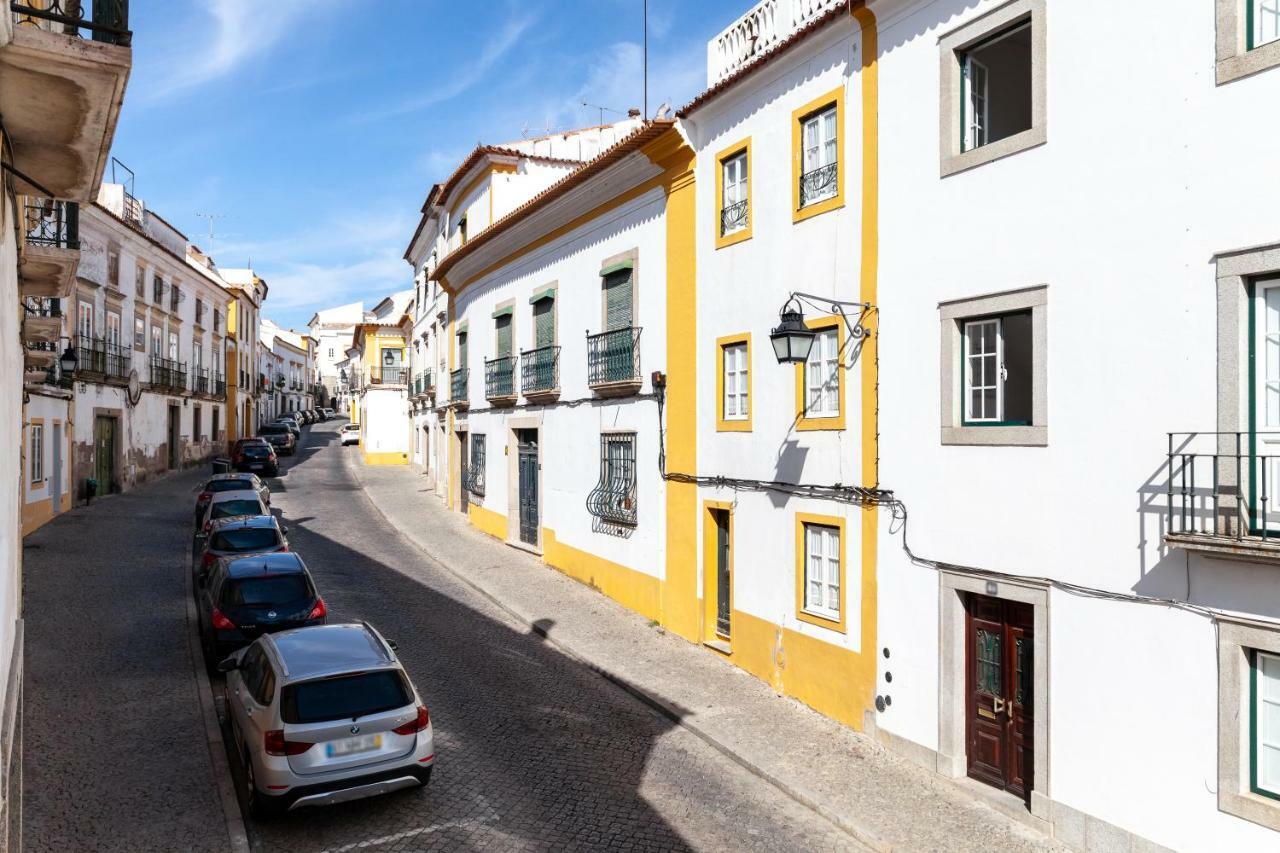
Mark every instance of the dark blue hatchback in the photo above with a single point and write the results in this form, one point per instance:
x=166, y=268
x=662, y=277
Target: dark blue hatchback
x=242, y=598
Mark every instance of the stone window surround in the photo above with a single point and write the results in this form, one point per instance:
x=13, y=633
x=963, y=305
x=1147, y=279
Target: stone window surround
x=951, y=315
x=1234, y=59
x=952, y=159
x=952, y=759
x=1235, y=637
x=1234, y=271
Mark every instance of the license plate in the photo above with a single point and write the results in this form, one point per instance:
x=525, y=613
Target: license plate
x=363, y=743
x=255, y=465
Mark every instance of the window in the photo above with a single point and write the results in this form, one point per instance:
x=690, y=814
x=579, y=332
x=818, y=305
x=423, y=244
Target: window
x=139, y=334
x=113, y=330
x=37, y=453
x=173, y=346
x=996, y=100
x=84, y=321
x=617, y=299
x=462, y=229
x=502, y=331
x=157, y=290
x=994, y=376
x=196, y=425
x=175, y=297
x=993, y=86
x=330, y=352
x=816, y=177
x=475, y=472
x=1248, y=700
x=1262, y=22
x=820, y=380
x=1264, y=689
x=613, y=499
x=820, y=576
x=199, y=311
x=113, y=267
x=544, y=322
x=140, y=281
x=733, y=193
x=733, y=383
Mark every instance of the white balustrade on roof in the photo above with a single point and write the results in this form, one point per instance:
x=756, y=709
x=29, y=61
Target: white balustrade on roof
x=757, y=32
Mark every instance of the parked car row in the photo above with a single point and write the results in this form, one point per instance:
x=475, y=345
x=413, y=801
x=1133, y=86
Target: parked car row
x=319, y=713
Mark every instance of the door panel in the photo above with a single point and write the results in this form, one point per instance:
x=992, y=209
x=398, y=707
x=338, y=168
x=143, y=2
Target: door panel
x=999, y=701
x=463, y=468
x=528, y=462
x=724, y=591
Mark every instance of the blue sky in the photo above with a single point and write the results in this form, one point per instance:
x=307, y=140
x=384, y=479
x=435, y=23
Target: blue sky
x=315, y=127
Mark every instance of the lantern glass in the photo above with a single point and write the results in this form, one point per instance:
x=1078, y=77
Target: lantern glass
x=68, y=360
x=792, y=339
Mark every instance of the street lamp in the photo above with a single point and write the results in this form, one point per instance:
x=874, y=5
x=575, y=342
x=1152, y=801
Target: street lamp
x=68, y=360
x=791, y=338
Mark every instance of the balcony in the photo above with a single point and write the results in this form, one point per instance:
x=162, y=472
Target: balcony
x=64, y=65
x=51, y=247
x=1222, y=493
x=500, y=380
x=540, y=374
x=168, y=375
x=41, y=320
x=102, y=359
x=423, y=385
x=201, y=381
x=458, y=388
x=613, y=362
x=219, y=386
x=757, y=32
x=40, y=356
x=387, y=376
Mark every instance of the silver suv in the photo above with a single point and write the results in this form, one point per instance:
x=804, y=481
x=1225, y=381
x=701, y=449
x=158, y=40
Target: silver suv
x=323, y=715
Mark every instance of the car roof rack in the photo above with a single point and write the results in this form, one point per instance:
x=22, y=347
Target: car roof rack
x=386, y=647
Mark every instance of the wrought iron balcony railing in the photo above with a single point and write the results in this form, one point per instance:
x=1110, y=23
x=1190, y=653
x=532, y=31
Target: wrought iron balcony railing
x=108, y=20
x=733, y=218
x=388, y=376
x=458, y=385
x=540, y=370
x=219, y=385
x=102, y=357
x=42, y=306
x=50, y=222
x=1223, y=486
x=819, y=183
x=169, y=374
x=613, y=356
x=500, y=378
x=201, y=383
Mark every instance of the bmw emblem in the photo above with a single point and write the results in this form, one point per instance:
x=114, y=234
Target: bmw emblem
x=271, y=614
x=355, y=730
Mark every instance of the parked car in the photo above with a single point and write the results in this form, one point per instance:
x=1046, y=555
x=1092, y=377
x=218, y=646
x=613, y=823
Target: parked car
x=234, y=536
x=291, y=425
x=241, y=598
x=238, y=481
x=281, y=438
x=255, y=454
x=329, y=413
x=228, y=504
x=324, y=715
x=350, y=434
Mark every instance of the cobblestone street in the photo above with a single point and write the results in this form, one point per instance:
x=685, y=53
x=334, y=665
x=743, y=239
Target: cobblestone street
x=535, y=751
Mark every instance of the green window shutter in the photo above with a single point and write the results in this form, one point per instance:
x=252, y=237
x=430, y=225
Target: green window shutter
x=504, y=335
x=462, y=351
x=617, y=300
x=544, y=328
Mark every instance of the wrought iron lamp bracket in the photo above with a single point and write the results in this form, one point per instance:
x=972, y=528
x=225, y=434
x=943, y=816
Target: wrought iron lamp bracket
x=857, y=328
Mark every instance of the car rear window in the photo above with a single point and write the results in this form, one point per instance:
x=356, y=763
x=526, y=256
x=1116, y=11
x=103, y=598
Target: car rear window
x=257, y=450
x=272, y=429
x=344, y=697
x=239, y=541
x=265, y=589
x=229, y=485
x=226, y=509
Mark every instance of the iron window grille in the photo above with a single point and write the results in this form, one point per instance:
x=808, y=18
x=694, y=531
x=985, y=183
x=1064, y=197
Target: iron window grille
x=818, y=184
x=733, y=218
x=614, y=497
x=614, y=356
x=50, y=222
x=108, y=21
x=475, y=471
x=499, y=378
x=540, y=369
x=458, y=384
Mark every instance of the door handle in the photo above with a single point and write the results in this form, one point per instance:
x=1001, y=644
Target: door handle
x=998, y=704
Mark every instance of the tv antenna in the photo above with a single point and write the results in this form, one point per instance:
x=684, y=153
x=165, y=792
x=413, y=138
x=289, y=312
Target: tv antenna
x=603, y=110
x=211, y=217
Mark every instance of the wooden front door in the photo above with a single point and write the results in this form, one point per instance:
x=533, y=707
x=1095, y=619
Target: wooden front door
x=998, y=684
x=528, y=485
x=104, y=453
x=464, y=473
x=723, y=583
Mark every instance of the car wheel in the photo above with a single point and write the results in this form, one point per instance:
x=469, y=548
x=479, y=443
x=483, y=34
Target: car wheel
x=259, y=805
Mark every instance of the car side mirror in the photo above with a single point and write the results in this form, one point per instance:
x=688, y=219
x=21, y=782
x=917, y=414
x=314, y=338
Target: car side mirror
x=393, y=645
x=228, y=664
x=284, y=530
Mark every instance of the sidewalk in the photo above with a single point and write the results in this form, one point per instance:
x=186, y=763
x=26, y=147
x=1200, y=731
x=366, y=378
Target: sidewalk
x=883, y=800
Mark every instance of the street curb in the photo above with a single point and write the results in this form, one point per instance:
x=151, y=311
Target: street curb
x=236, y=831
x=655, y=702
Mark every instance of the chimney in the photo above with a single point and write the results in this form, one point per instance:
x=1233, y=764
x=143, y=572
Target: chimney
x=634, y=112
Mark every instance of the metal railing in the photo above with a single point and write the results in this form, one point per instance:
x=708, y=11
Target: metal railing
x=458, y=385
x=613, y=499
x=219, y=385
x=42, y=306
x=540, y=369
x=1223, y=484
x=499, y=378
x=167, y=373
x=818, y=184
x=386, y=376
x=733, y=218
x=100, y=356
x=200, y=381
x=50, y=222
x=108, y=20
x=614, y=356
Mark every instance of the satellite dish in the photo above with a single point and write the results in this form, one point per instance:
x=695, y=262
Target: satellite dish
x=135, y=388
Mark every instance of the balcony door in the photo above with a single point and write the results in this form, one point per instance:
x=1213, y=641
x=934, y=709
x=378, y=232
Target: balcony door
x=1264, y=407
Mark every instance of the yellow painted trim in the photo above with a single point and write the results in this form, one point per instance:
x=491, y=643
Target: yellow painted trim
x=740, y=424
x=805, y=423
x=487, y=521
x=710, y=586
x=737, y=148
x=798, y=213
x=36, y=514
x=802, y=519
x=386, y=459
x=487, y=172
x=632, y=589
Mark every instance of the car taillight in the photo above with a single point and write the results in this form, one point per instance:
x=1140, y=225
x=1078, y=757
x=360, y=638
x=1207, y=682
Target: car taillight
x=204, y=497
x=221, y=622
x=319, y=611
x=416, y=725
x=274, y=743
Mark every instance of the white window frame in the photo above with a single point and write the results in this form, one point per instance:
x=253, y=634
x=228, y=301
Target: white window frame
x=735, y=405
x=173, y=346
x=734, y=188
x=1259, y=740
x=37, y=453
x=825, y=564
x=1258, y=14
x=820, y=147
x=977, y=120
x=113, y=328
x=822, y=395
x=84, y=319
x=996, y=357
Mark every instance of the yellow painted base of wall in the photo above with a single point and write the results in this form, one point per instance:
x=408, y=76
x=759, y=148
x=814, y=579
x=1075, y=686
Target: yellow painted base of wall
x=39, y=513
x=635, y=590
x=386, y=459
x=487, y=521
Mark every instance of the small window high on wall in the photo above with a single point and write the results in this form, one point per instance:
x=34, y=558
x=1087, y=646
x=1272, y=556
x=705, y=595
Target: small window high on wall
x=996, y=100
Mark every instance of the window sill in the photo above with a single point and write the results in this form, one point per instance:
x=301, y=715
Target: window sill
x=1008, y=436
x=831, y=624
x=723, y=425
x=732, y=239
x=815, y=424
x=1248, y=62
x=818, y=207
x=965, y=160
